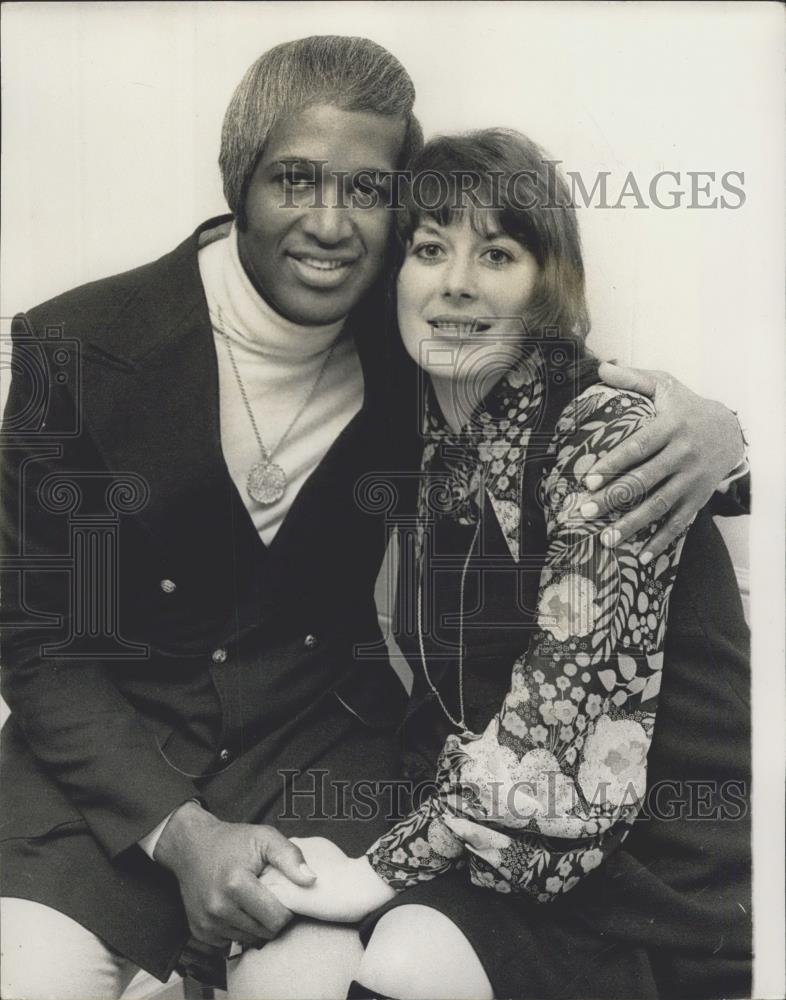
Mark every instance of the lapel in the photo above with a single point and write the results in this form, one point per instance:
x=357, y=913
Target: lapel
x=150, y=397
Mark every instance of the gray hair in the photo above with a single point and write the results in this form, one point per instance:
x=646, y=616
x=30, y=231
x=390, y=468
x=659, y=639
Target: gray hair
x=354, y=74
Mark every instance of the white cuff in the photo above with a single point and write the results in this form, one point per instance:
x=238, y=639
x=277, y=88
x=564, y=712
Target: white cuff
x=736, y=473
x=149, y=842
x=743, y=468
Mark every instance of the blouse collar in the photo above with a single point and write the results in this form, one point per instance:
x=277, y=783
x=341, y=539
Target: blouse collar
x=486, y=457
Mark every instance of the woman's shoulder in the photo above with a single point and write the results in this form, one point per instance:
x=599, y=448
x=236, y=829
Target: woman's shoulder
x=593, y=423
x=600, y=406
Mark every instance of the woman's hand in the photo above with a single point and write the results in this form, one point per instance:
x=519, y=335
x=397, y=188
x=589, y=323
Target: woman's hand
x=346, y=889
x=677, y=461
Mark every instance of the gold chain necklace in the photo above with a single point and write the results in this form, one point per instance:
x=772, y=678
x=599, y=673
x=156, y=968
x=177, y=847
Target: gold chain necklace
x=266, y=482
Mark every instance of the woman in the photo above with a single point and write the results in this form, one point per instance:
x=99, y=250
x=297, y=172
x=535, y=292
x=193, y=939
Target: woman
x=538, y=650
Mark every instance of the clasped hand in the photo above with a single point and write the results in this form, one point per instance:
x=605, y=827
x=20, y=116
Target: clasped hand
x=243, y=882
x=344, y=891
x=217, y=866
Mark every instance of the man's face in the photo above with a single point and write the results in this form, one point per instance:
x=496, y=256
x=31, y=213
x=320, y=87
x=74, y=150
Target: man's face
x=308, y=250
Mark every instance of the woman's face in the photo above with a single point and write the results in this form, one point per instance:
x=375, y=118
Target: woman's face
x=461, y=299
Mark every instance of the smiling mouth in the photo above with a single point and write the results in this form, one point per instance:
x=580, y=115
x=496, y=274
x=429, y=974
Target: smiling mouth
x=322, y=272
x=452, y=326
x=324, y=265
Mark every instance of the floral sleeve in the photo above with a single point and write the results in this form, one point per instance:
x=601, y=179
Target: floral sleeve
x=552, y=785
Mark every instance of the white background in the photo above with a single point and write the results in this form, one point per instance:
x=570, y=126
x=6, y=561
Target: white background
x=111, y=124
x=113, y=115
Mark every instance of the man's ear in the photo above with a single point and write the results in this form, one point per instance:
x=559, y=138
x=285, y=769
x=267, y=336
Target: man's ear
x=241, y=218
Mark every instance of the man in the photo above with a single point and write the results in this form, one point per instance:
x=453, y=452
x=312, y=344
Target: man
x=188, y=573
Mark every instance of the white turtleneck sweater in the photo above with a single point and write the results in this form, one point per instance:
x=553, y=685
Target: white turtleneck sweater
x=279, y=362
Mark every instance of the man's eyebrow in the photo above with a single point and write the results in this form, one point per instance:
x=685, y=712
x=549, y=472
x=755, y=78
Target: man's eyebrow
x=287, y=161
x=291, y=161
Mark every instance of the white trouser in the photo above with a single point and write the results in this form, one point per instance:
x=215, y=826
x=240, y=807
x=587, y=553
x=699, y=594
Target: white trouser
x=48, y=956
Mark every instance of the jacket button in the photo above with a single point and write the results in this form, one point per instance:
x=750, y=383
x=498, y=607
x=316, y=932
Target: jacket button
x=219, y=656
x=310, y=641
x=224, y=755
x=168, y=586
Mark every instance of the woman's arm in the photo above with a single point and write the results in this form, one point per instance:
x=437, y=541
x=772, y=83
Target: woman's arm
x=552, y=785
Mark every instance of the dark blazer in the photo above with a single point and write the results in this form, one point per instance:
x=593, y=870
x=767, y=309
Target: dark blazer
x=155, y=649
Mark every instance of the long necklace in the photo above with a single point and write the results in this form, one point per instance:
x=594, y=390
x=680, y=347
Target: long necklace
x=460, y=722
x=266, y=481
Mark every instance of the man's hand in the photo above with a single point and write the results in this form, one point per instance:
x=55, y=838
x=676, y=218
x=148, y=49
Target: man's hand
x=346, y=889
x=676, y=461
x=218, y=867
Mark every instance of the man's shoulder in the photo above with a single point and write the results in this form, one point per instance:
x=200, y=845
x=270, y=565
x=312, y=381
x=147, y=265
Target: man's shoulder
x=100, y=298
x=96, y=306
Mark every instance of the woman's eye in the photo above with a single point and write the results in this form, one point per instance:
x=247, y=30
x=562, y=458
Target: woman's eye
x=497, y=256
x=428, y=251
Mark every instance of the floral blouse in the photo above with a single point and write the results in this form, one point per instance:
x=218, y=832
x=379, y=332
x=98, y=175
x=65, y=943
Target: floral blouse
x=552, y=785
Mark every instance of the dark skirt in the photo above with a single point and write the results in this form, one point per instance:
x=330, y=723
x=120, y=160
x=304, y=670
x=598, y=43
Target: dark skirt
x=562, y=950
x=529, y=951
